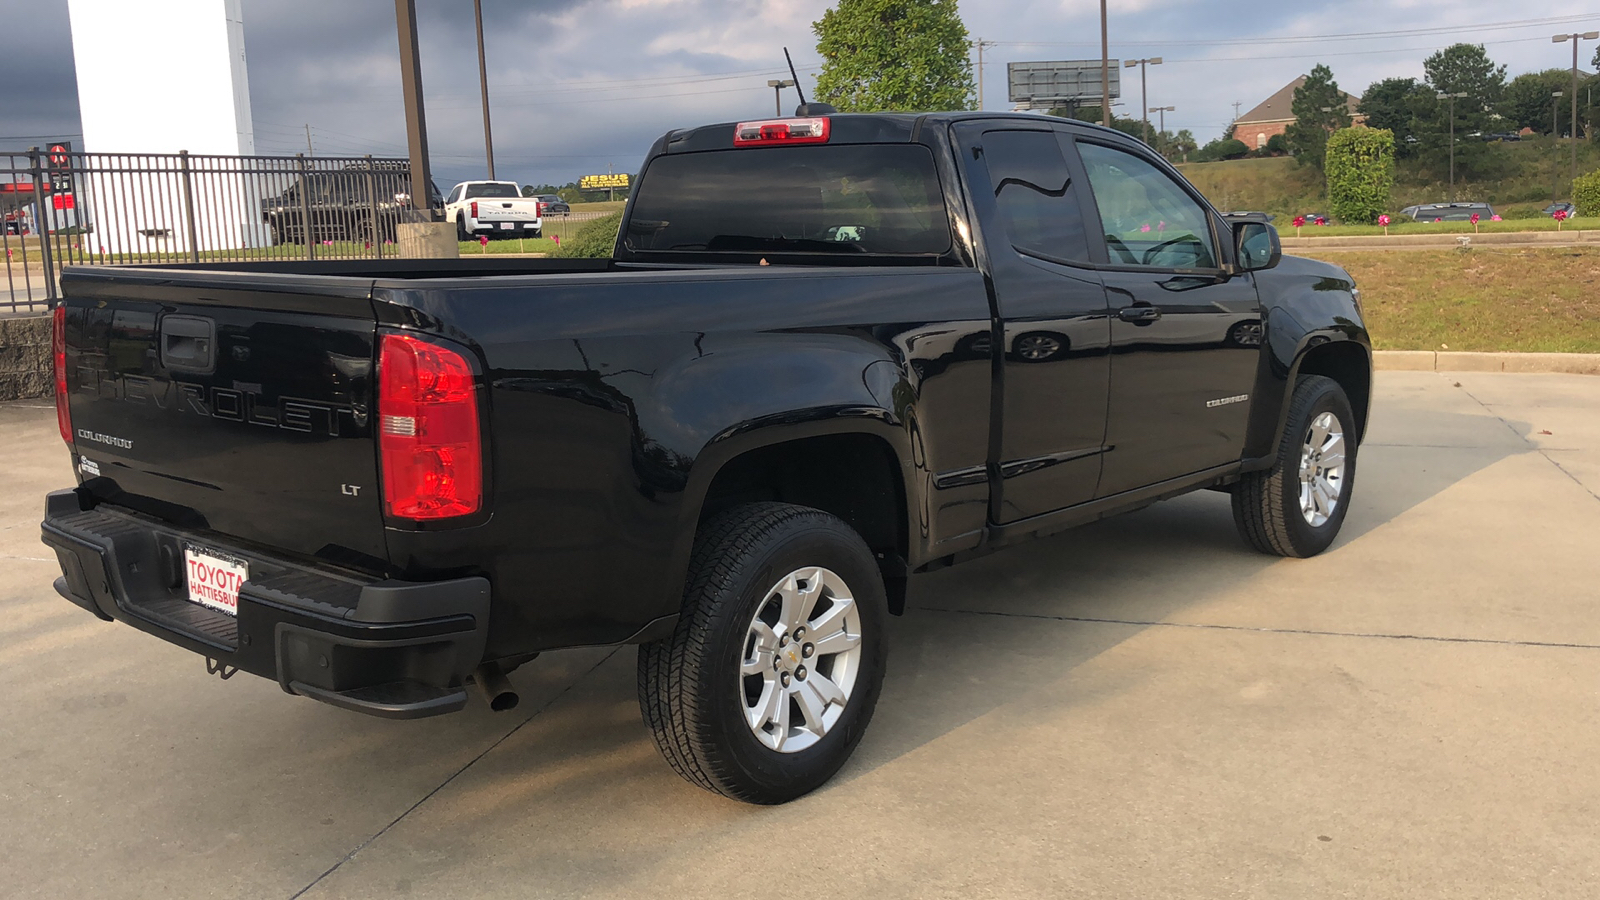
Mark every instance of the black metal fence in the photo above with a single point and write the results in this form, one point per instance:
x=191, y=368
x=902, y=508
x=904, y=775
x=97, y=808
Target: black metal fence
x=123, y=208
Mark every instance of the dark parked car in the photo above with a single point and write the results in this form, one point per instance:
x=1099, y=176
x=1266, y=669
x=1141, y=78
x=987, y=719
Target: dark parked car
x=1449, y=212
x=828, y=353
x=1571, y=209
x=348, y=204
x=554, y=205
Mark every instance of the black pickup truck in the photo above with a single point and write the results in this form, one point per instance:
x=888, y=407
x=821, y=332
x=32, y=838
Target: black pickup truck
x=829, y=352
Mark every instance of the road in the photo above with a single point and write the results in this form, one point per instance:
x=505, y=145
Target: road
x=1140, y=708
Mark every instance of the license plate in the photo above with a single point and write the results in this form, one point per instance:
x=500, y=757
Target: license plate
x=507, y=226
x=214, y=578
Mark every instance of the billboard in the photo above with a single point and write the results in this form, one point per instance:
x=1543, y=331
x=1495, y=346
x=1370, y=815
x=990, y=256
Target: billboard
x=1070, y=82
x=603, y=182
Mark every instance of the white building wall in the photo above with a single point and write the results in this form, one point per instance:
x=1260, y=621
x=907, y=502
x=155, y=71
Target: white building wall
x=160, y=76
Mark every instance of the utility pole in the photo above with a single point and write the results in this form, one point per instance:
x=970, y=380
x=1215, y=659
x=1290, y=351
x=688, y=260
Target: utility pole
x=405, y=12
x=309, y=151
x=1452, y=98
x=777, y=94
x=1574, y=38
x=1144, y=87
x=483, y=82
x=980, y=43
x=1105, y=69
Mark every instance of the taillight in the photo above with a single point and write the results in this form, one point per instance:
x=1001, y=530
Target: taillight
x=538, y=210
x=474, y=209
x=428, y=438
x=58, y=348
x=782, y=131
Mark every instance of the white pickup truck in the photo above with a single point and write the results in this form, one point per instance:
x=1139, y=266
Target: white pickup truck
x=493, y=208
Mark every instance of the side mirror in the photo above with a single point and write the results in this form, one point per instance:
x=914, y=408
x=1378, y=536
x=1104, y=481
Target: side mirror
x=1258, y=245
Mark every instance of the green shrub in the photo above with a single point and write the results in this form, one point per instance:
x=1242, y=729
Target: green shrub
x=1277, y=145
x=595, y=240
x=1586, y=194
x=1360, y=169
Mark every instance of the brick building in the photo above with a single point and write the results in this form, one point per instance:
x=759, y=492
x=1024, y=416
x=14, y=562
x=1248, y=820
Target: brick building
x=1276, y=114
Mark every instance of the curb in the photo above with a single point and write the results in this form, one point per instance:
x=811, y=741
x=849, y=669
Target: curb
x=1452, y=361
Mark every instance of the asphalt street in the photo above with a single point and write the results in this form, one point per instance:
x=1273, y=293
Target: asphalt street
x=1141, y=708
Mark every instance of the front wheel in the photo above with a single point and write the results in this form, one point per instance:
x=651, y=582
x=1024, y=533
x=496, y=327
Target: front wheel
x=770, y=678
x=1297, y=507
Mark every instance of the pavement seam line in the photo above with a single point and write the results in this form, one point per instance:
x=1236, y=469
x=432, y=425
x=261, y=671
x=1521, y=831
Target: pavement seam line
x=453, y=776
x=1264, y=630
x=1525, y=439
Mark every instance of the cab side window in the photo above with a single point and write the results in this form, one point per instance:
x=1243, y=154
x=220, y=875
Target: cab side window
x=455, y=193
x=1033, y=190
x=1149, y=221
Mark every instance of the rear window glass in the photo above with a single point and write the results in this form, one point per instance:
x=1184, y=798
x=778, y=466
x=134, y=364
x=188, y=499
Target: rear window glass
x=492, y=190
x=866, y=198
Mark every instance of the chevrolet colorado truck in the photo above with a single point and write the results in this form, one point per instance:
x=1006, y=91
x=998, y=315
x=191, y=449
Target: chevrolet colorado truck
x=829, y=352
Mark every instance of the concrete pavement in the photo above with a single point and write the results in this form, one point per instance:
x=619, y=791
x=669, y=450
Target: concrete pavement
x=1140, y=708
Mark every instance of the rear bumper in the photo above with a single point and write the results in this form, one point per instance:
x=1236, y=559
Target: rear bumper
x=521, y=226
x=386, y=648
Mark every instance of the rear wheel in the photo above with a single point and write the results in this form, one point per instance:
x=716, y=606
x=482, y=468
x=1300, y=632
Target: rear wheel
x=767, y=684
x=1297, y=507
x=461, y=229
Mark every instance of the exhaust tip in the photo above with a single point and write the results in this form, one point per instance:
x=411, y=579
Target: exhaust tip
x=494, y=687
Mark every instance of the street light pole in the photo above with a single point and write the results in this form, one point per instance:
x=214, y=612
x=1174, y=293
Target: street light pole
x=1555, y=141
x=1105, y=69
x=777, y=93
x=1161, y=133
x=1574, y=38
x=1144, y=87
x=483, y=82
x=1452, y=98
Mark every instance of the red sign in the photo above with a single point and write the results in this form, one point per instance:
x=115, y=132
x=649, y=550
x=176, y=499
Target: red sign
x=64, y=201
x=58, y=155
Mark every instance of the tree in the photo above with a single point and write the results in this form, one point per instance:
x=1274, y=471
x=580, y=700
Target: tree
x=1459, y=69
x=1387, y=104
x=1526, y=102
x=1320, y=109
x=882, y=55
x=1360, y=169
x=1182, y=144
x=1222, y=148
x=1467, y=69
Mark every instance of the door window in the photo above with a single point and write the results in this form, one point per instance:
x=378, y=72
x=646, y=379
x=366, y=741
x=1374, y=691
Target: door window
x=1149, y=221
x=1032, y=189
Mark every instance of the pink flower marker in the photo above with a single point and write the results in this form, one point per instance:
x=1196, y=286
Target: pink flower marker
x=1144, y=229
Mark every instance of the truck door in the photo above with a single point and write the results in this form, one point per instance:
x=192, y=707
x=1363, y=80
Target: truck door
x=1054, y=326
x=1185, y=336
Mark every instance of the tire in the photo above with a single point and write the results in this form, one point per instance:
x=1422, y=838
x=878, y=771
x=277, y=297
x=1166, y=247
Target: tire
x=691, y=690
x=461, y=229
x=1268, y=506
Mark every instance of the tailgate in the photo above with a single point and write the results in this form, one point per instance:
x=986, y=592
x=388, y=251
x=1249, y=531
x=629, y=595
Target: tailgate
x=494, y=209
x=229, y=402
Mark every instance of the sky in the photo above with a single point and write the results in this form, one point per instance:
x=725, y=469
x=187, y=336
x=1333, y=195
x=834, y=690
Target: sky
x=580, y=85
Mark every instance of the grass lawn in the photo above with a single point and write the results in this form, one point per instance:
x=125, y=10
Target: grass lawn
x=1486, y=299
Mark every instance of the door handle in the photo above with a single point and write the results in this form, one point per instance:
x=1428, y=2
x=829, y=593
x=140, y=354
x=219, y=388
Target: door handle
x=1139, y=315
